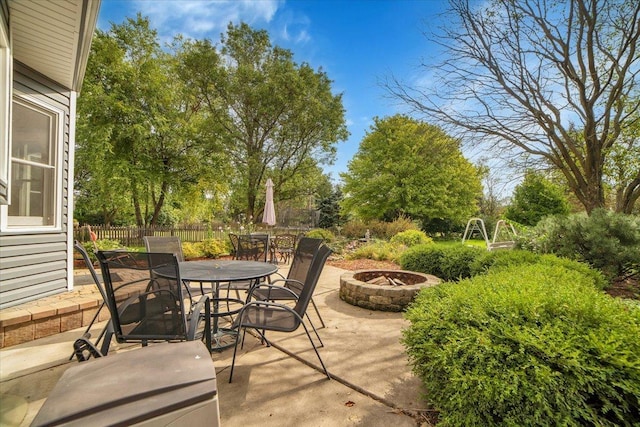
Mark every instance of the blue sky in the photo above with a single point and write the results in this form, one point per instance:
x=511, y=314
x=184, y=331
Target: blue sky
x=356, y=42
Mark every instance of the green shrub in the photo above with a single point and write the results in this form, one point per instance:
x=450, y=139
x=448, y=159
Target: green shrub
x=607, y=241
x=494, y=260
x=424, y=258
x=208, y=248
x=377, y=229
x=213, y=248
x=528, y=345
x=411, y=238
x=321, y=233
x=379, y=251
x=599, y=281
x=354, y=229
x=192, y=250
x=386, y=230
x=501, y=259
x=447, y=263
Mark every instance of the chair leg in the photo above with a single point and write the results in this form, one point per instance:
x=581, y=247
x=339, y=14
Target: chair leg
x=314, y=329
x=106, y=341
x=87, y=334
x=316, y=350
x=83, y=350
x=235, y=350
x=315, y=307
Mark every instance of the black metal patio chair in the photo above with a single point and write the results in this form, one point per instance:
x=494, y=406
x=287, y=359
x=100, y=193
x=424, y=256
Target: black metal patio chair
x=251, y=247
x=272, y=316
x=151, y=307
x=284, y=246
x=302, y=261
x=172, y=245
x=83, y=347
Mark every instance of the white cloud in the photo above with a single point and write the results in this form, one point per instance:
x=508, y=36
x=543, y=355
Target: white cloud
x=205, y=18
x=295, y=28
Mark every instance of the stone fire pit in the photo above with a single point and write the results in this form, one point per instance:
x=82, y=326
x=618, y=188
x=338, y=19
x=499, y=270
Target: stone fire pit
x=385, y=290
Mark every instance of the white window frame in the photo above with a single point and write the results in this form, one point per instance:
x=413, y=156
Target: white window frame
x=57, y=114
x=6, y=84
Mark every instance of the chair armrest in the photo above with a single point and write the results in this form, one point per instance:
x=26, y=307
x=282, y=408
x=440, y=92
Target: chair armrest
x=288, y=281
x=270, y=287
x=203, y=303
x=271, y=304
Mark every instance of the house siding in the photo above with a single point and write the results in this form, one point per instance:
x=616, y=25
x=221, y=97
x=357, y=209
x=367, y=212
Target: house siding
x=4, y=187
x=35, y=265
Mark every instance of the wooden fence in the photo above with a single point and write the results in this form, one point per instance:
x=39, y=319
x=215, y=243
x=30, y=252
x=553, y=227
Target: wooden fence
x=131, y=236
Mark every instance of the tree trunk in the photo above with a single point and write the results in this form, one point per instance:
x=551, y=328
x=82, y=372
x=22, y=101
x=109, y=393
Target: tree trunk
x=628, y=196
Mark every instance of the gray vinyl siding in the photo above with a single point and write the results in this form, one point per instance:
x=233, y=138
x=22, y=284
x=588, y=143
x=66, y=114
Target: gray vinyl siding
x=4, y=188
x=34, y=265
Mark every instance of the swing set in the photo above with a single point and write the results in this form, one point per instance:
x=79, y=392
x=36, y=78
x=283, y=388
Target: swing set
x=503, y=230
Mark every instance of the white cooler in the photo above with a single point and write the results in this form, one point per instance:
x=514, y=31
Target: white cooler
x=171, y=384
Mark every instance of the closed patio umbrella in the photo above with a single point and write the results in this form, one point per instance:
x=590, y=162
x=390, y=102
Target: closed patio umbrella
x=269, y=215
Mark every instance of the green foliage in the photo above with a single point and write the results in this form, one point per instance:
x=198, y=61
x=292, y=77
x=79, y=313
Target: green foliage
x=535, y=198
x=329, y=208
x=447, y=263
x=357, y=229
x=379, y=251
x=411, y=238
x=501, y=259
x=191, y=250
x=101, y=245
x=607, y=241
x=529, y=345
x=321, y=233
x=213, y=248
x=494, y=260
x=208, y=248
x=354, y=229
x=411, y=168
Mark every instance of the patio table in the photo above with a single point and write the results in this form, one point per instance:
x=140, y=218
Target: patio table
x=219, y=271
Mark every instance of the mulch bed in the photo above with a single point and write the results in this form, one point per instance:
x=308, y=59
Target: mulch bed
x=363, y=264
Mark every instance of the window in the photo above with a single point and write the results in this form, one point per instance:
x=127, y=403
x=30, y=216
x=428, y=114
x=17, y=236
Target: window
x=5, y=99
x=35, y=165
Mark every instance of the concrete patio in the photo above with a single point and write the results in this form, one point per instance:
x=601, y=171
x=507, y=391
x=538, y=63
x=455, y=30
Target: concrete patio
x=372, y=383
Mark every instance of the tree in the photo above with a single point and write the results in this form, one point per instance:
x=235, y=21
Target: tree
x=524, y=76
x=535, y=198
x=272, y=114
x=404, y=167
x=329, y=207
x=140, y=135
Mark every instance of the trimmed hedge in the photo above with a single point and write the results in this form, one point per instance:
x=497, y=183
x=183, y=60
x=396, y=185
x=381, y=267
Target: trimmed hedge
x=447, y=263
x=527, y=345
x=503, y=259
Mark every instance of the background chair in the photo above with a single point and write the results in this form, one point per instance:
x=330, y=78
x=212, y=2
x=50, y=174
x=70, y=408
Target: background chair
x=284, y=246
x=251, y=247
x=300, y=266
x=171, y=245
x=151, y=305
x=234, y=244
x=271, y=316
